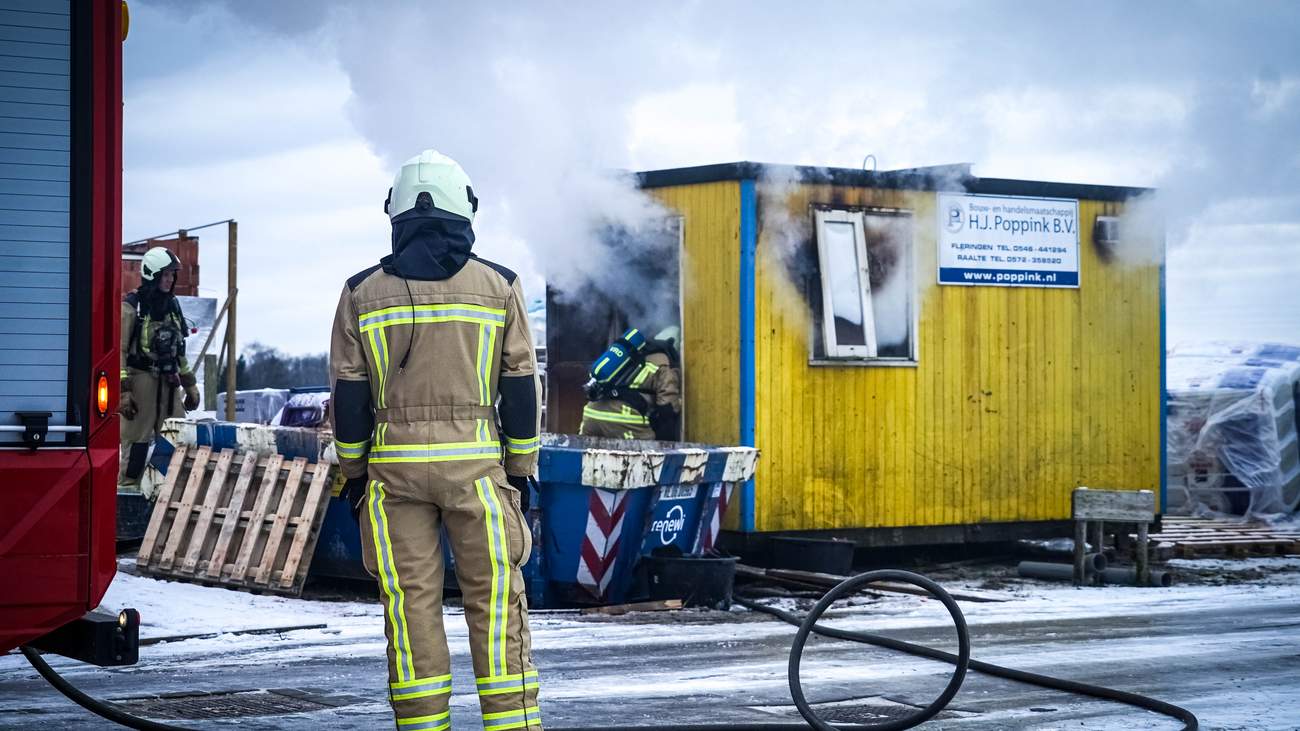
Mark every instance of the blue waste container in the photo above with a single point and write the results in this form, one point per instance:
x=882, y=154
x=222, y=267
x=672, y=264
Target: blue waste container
x=601, y=505
x=605, y=503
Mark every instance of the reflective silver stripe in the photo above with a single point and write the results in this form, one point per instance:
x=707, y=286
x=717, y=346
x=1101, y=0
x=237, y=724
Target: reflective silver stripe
x=510, y=684
x=425, y=725
x=486, y=346
x=511, y=719
x=522, y=446
x=435, y=722
x=415, y=453
x=379, y=347
x=350, y=449
x=423, y=311
x=419, y=690
x=392, y=588
x=498, y=617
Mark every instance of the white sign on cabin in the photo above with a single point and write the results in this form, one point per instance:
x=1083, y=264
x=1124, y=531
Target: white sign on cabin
x=1008, y=241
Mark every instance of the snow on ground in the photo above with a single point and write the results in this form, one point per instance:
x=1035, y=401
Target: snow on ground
x=667, y=661
x=170, y=608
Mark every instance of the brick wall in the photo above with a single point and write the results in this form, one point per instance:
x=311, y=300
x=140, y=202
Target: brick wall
x=186, y=249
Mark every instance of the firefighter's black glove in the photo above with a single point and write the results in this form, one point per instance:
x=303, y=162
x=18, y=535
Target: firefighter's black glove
x=525, y=496
x=126, y=405
x=354, y=493
x=191, y=387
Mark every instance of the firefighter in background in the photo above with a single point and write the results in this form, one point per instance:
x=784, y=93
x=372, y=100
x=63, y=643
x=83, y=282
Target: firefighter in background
x=436, y=414
x=157, y=382
x=635, y=389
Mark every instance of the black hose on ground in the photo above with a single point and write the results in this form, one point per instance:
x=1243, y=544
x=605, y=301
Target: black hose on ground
x=807, y=625
x=1044, y=681
x=96, y=707
x=848, y=586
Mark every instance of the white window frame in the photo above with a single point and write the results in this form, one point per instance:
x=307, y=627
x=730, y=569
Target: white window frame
x=830, y=343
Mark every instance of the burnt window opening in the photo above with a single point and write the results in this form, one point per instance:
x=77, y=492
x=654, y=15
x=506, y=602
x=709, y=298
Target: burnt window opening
x=864, y=290
x=633, y=281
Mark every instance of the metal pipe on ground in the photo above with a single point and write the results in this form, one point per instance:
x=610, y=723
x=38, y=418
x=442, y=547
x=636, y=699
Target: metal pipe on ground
x=1128, y=576
x=1092, y=563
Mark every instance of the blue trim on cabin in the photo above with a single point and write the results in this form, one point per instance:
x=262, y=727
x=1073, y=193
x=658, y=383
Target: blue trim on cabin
x=1164, y=400
x=748, y=247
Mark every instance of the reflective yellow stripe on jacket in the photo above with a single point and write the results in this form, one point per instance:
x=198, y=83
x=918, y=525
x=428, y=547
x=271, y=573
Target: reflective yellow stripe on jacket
x=626, y=415
x=350, y=450
x=647, y=370
x=372, y=325
x=522, y=446
x=445, y=452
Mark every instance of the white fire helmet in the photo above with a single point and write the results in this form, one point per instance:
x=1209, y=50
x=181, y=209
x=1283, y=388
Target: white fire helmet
x=442, y=178
x=156, y=261
x=671, y=332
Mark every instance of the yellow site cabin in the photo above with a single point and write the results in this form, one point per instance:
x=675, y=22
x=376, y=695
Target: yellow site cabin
x=922, y=356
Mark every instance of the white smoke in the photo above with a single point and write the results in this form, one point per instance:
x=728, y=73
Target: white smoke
x=536, y=100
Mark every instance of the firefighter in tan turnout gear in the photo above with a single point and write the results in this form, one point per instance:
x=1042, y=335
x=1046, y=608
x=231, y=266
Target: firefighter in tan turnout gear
x=436, y=414
x=157, y=383
x=635, y=389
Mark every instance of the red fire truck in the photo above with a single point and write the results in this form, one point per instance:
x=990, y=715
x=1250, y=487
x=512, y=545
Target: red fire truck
x=60, y=241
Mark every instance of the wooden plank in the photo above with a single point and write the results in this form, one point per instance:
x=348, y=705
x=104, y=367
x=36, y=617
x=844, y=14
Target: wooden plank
x=180, y=521
x=204, y=522
x=218, y=557
x=269, y=480
x=1236, y=541
x=1115, y=505
x=832, y=580
x=660, y=605
x=145, y=641
x=312, y=507
x=287, y=497
x=1080, y=539
x=161, y=505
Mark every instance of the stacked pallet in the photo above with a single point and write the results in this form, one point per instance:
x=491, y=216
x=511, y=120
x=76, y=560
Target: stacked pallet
x=239, y=519
x=1199, y=537
x=1233, y=443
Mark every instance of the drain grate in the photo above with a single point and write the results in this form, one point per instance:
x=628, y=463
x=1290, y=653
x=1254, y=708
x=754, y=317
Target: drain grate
x=869, y=710
x=868, y=713
x=230, y=704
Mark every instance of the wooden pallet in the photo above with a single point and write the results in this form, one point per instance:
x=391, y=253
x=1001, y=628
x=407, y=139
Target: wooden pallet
x=1194, y=537
x=238, y=520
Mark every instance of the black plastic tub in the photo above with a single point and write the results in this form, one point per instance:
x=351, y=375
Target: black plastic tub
x=822, y=555
x=699, y=581
x=133, y=511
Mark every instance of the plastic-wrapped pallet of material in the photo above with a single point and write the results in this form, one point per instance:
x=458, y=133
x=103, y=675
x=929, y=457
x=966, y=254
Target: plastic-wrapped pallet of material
x=257, y=406
x=1232, y=432
x=306, y=407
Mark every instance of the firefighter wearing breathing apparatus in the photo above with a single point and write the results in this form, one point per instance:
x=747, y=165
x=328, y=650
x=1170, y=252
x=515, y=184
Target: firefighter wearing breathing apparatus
x=436, y=413
x=157, y=382
x=635, y=389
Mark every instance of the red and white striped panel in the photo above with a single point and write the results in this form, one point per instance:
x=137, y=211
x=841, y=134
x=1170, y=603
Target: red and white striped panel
x=600, y=546
x=714, y=511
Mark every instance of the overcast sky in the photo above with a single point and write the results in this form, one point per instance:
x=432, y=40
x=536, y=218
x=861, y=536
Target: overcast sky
x=291, y=117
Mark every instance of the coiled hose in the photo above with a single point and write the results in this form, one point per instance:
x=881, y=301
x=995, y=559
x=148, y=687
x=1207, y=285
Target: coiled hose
x=807, y=625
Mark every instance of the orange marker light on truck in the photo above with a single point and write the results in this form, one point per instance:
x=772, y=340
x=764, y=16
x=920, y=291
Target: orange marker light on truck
x=101, y=394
